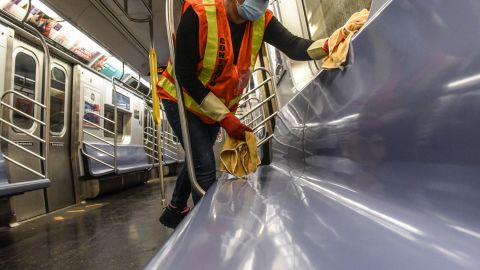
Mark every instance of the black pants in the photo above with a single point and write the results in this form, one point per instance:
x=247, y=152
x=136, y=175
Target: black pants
x=202, y=137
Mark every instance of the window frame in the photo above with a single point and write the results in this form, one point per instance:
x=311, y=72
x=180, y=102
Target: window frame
x=124, y=113
x=26, y=51
x=65, y=107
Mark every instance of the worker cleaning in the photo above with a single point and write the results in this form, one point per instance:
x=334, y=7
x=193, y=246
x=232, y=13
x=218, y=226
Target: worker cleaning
x=217, y=44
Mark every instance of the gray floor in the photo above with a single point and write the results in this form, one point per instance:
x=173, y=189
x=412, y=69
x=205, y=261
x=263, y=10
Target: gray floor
x=119, y=231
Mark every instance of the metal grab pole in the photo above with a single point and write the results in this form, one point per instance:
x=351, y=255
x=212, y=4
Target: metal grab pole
x=46, y=89
x=160, y=163
x=181, y=108
x=159, y=125
x=115, y=116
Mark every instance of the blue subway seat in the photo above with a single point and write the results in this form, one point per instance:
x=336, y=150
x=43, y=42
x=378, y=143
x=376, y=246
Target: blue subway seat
x=130, y=158
x=8, y=189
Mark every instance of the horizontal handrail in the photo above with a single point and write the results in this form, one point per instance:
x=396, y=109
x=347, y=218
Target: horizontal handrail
x=262, y=69
x=264, y=140
x=96, y=137
x=265, y=120
x=22, y=148
x=150, y=135
x=166, y=133
x=163, y=133
x=249, y=100
x=26, y=132
x=258, y=106
x=154, y=158
x=150, y=128
x=256, y=88
x=156, y=152
x=169, y=145
x=23, y=114
x=149, y=148
x=23, y=96
x=97, y=126
x=253, y=121
x=23, y=166
x=98, y=160
x=166, y=149
x=148, y=141
x=99, y=149
x=174, y=158
x=101, y=116
x=170, y=139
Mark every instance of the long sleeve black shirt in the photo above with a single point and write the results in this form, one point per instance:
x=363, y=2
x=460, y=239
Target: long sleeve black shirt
x=187, y=53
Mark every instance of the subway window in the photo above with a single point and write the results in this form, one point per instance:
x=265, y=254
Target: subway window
x=24, y=83
x=109, y=113
x=57, y=100
x=326, y=16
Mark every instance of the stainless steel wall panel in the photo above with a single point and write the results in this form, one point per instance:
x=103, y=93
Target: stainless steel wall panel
x=61, y=192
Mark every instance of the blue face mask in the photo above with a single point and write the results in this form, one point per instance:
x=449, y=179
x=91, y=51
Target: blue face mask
x=252, y=10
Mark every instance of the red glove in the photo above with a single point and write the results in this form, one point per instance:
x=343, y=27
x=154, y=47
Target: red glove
x=234, y=127
x=325, y=46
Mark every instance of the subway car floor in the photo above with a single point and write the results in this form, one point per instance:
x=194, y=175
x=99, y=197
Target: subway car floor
x=118, y=231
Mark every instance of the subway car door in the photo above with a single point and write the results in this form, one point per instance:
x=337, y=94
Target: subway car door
x=25, y=77
x=61, y=191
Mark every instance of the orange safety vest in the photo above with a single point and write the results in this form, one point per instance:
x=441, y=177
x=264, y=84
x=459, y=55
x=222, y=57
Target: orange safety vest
x=216, y=69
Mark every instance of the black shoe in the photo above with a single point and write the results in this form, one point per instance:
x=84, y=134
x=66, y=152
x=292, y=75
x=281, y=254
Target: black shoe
x=172, y=216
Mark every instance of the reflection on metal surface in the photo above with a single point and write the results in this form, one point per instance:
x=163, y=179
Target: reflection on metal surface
x=465, y=82
x=395, y=225
x=374, y=167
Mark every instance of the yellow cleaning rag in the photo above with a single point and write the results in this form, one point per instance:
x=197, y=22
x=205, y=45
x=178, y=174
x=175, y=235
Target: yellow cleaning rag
x=240, y=158
x=339, y=41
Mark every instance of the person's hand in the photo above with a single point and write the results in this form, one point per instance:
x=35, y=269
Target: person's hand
x=319, y=49
x=234, y=127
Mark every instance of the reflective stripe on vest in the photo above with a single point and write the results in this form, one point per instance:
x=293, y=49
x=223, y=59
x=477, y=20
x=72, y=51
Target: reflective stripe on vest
x=211, y=48
x=169, y=87
x=190, y=103
x=257, y=38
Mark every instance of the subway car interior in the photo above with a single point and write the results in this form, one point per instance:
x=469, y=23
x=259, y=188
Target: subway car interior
x=372, y=164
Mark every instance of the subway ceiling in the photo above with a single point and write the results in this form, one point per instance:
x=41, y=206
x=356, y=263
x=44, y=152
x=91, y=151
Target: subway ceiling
x=107, y=24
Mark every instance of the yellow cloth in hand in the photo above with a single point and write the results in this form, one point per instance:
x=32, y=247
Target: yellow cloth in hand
x=240, y=158
x=339, y=41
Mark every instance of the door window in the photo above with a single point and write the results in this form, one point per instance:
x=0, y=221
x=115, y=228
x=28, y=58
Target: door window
x=24, y=82
x=325, y=16
x=58, y=86
x=109, y=113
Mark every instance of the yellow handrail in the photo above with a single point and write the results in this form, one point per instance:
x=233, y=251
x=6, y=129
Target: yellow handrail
x=153, y=85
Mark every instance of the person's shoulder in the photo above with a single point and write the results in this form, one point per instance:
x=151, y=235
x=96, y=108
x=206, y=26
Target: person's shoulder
x=269, y=16
x=189, y=16
x=189, y=12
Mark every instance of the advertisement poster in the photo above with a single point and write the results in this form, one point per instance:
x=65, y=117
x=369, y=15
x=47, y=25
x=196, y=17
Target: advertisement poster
x=99, y=65
x=17, y=8
x=54, y=27
x=62, y=32
x=110, y=67
x=46, y=24
x=122, y=101
x=91, y=108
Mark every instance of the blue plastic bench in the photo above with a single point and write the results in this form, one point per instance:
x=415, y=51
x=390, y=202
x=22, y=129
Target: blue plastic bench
x=8, y=189
x=130, y=158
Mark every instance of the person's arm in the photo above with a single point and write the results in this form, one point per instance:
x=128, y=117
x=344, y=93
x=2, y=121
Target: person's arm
x=294, y=47
x=187, y=56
